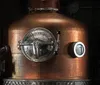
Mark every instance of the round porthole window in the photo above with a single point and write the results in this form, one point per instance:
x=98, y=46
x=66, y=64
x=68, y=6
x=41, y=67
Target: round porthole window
x=38, y=45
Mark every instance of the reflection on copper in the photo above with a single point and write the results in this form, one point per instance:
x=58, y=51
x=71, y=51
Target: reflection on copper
x=50, y=20
x=62, y=66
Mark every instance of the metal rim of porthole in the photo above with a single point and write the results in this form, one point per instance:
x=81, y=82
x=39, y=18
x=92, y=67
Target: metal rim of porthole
x=43, y=58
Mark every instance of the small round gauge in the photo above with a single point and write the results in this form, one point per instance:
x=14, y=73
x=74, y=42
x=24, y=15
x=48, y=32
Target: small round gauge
x=79, y=49
x=38, y=45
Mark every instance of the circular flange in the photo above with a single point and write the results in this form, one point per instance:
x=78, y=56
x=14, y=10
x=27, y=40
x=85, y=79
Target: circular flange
x=45, y=82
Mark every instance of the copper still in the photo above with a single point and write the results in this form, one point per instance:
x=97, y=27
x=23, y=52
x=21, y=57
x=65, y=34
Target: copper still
x=47, y=48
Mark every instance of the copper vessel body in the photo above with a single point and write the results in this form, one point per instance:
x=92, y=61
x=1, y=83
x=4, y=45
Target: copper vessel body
x=43, y=3
x=61, y=66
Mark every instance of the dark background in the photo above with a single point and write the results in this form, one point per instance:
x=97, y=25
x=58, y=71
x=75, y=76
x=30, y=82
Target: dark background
x=87, y=12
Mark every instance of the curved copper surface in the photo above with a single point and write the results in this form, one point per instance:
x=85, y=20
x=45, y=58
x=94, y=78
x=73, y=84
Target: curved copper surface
x=62, y=66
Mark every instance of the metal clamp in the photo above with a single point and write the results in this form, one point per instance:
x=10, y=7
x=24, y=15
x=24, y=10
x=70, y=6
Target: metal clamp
x=3, y=50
